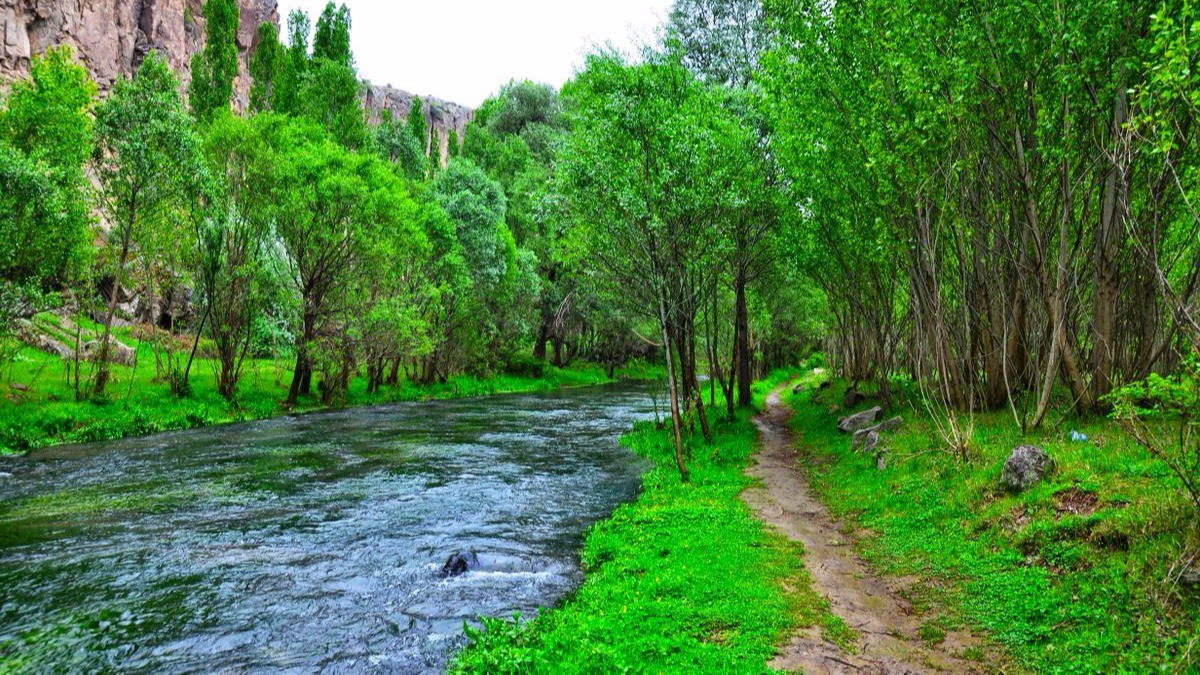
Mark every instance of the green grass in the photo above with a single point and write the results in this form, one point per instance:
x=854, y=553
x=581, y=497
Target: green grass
x=685, y=579
x=1063, y=592
x=38, y=406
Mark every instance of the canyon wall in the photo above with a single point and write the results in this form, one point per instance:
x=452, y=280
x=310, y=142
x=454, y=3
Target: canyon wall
x=112, y=37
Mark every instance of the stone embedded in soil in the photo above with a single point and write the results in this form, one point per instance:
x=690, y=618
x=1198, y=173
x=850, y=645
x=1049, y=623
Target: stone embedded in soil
x=858, y=421
x=1026, y=466
x=865, y=440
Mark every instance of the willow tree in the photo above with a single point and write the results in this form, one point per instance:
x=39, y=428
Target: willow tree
x=146, y=165
x=648, y=166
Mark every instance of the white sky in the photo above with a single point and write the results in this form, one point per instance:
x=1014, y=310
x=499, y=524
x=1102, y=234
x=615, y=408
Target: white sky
x=465, y=50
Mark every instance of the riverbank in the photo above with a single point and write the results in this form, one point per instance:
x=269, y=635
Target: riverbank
x=685, y=579
x=1080, y=573
x=38, y=406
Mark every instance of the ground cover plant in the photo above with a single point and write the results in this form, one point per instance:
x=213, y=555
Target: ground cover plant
x=1080, y=573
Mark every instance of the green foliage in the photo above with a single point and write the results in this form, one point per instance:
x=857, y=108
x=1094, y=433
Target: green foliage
x=45, y=137
x=48, y=117
x=394, y=143
x=215, y=66
x=416, y=125
x=332, y=39
x=686, y=579
x=1073, y=575
x=330, y=97
x=475, y=204
x=292, y=72
x=266, y=68
x=720, y=40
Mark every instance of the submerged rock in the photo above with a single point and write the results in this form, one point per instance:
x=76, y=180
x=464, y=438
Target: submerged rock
x=459, y=563
x=857, y=421
x=1026, y=466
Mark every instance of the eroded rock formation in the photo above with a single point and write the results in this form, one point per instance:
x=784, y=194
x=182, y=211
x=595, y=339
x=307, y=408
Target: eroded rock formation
x=441, y=117
x=113, y=36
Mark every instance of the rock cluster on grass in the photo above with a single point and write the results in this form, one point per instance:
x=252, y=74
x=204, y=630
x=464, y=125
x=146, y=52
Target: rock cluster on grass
x=866, y=440
x=1026, y=466
x=862, y=420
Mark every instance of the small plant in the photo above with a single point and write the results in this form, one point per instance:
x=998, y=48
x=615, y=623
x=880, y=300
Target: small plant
x=1162, y=415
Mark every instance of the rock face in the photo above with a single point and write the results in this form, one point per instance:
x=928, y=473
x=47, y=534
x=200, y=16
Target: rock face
x=857, y=421
x=112, y=37
x=441, y=117
x=1026, y=466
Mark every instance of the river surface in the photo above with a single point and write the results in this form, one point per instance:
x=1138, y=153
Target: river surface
x=312, y=543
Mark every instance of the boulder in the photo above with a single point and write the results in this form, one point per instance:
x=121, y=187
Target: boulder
x=459, y=563
x=28, y=333
x=118, y=352
x=1026, y=466
x=853, y=397
x=863, y=437
x=857, y=421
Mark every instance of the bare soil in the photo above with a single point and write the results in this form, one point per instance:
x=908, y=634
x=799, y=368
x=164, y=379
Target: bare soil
x=887, y=627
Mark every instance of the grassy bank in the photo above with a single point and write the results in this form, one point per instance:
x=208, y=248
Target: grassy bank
x=38, y=406
x=685, y=579
x=1071, y=575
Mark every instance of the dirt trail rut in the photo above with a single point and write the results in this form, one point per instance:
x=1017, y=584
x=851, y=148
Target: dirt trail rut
x=887, y=630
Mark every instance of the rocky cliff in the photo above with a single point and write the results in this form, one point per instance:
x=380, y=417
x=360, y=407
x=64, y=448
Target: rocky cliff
x=113, y=36
x=441, y=117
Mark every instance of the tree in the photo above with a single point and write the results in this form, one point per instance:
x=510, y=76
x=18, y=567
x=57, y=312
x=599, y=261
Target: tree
x=314, y=193
x=394, y=143
x=721, y=41
x=215, y=66
x=330, y=97
x=146, y=165
x=416, y=125
x=46, y=135
x=294, y=68
x=266, y=66
x=646, y=169
x=332, y=39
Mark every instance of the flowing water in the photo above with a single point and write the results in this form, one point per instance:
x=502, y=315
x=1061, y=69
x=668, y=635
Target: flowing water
x=312, y=543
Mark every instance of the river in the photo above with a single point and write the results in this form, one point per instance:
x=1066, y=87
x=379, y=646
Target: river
x=311, y=543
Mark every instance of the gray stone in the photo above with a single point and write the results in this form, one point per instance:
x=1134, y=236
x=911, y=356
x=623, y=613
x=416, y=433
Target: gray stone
x=866, y=439
x=118, y=352
x=1026, y=466
x=862, y=420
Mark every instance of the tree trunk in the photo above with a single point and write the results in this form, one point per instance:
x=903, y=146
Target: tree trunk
x=742, y=341
x=675, y=421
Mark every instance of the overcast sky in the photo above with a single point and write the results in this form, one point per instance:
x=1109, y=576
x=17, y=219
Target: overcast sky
x=464, y=50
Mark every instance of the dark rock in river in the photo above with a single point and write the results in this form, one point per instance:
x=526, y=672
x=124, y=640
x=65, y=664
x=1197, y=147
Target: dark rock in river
x=459, y=563
x=1026, y=466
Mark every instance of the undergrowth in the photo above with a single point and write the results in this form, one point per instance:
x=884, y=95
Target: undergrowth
x=1072, y=576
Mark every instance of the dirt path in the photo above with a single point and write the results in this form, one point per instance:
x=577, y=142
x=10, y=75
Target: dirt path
x=885, y=624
